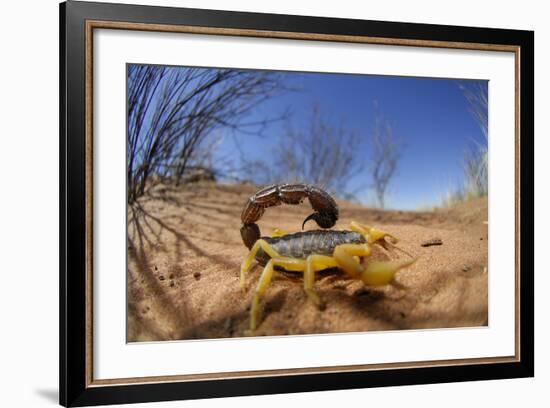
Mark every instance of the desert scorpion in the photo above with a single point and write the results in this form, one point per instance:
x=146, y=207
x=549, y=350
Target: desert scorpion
x=310, y=251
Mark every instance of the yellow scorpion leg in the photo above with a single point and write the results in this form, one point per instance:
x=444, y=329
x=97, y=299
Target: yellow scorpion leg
x=316, y=263
x=370, y=233
x=289, y=264
x=345, y=255
x=376, y=273
x=382, y=273
x=279, y=233
x=245, y=266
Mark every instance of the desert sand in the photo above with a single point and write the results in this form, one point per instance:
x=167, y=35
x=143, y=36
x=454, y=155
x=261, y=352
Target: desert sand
x=185, y=251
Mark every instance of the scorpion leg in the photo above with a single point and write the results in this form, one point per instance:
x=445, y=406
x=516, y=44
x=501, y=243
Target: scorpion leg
x=279, y=233
x=289, y=264
x=370, y=233
x=345, y=255
x=373, y=235
x=377, y=273
x=382, y=273
x=245, y=266
x=316, y=263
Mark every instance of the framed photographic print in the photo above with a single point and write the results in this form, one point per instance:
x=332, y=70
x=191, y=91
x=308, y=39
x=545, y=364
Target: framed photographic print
x=256, y=203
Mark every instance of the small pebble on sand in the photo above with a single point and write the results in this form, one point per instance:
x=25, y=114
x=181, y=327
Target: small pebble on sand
x=432, y=242
x=197, y=275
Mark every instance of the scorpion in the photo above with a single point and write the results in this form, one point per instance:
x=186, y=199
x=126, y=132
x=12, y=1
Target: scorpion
x=310, y=251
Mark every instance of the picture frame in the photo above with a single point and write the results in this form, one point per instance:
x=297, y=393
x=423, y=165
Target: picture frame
x=79, y=21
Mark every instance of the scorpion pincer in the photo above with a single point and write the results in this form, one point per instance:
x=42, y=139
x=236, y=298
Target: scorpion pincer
x=310, y=251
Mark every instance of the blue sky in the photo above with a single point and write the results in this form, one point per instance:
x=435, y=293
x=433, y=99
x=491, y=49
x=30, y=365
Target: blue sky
x=430, y=116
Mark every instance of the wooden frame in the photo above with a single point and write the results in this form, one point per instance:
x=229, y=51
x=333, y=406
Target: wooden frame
x=77, y=22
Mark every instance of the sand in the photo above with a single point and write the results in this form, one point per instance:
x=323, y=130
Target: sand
x=185, y=251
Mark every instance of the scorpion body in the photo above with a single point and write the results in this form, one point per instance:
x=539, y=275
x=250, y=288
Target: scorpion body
x=307, y=252
x=302, y=244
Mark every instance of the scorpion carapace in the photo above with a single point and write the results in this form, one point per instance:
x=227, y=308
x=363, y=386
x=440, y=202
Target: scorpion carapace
x=310, y=251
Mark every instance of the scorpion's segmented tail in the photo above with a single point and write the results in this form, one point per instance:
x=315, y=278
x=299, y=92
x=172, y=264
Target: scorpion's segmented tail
x=325, y=208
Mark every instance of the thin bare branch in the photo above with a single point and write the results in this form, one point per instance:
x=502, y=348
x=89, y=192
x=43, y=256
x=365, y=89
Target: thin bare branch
x=386, y=152
x=174, y=111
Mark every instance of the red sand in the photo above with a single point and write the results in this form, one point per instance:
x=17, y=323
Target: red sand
x=185, y=251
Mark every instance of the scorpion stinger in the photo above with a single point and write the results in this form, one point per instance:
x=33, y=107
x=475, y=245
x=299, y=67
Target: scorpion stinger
x=324, y=220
